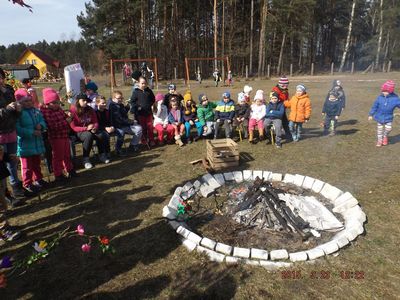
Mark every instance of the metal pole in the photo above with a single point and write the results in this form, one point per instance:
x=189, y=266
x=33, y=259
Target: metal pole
x=332, y=66
x=352, y=67
x=175, y=74
x=312, y=69
x=389, y=66
x=247, y=72
x=269, y=71
x=291, y=70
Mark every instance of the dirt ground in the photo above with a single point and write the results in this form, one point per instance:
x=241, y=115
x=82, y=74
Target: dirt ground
x=124, y=200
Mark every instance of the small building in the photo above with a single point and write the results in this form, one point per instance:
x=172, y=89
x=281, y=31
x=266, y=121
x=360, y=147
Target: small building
x=21, y=71
x=43, y=62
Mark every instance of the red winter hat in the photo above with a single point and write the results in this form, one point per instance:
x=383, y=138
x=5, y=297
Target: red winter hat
x=22, y=94
x=159, y=97
x=388, y=86
x=50, y=95
x=283, y=80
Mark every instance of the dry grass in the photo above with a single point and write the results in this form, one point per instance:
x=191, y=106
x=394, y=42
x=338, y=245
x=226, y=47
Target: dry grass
x=124, y=200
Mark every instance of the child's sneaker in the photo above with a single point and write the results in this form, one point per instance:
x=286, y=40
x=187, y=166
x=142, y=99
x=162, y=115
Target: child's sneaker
x=31, y=190
x=9, y=235
x=379, y=144
x=103, y=158
x=41, y=183
x=385, y=141
x=278, y=145
x=86, y=163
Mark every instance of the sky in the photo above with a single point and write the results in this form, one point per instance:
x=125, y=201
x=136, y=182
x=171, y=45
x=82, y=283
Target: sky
x=51, y=20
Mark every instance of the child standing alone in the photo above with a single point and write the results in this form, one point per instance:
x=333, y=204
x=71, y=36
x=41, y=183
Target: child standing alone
x=332, y=109
x=382, y=112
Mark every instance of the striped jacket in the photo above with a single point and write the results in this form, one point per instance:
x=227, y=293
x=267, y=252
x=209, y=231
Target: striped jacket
x=225, y=110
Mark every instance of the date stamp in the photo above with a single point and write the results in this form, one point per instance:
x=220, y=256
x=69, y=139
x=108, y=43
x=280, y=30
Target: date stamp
x=322, y=275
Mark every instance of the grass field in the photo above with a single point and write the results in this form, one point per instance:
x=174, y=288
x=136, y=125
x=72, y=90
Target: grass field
x=124, y=201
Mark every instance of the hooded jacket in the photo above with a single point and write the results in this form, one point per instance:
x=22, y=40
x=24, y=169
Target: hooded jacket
x=118, y=115
x=206, y=113
x=383, y=107
x=225, y=110
x=142, y=102
x=332, y=107
x=275, y=110
x=300, y=108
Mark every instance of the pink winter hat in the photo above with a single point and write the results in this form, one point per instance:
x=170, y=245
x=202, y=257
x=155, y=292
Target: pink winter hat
x=50, y=95
x=22, y=94
x=159, y=97
x=388, y=86
x=259, y=95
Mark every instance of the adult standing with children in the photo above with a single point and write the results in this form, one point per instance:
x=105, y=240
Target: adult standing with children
x=283, y=95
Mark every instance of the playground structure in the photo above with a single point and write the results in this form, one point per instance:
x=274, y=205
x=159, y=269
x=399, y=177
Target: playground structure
x=113, y=63
x=224, y=60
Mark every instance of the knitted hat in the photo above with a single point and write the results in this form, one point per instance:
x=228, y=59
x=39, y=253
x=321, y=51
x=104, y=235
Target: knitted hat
x=259, y=95
x=226, y=94
x=388, y=86
x=91, y=86
x=50, y=95
x=22, y=94
x=273, y=95
x=301, y=88
x=202, y=97
x=241, y=97
x=136, y=74
x=159, y=97
x=172, y=87
x=283, y=80
x=187, y=96
x=247, y=89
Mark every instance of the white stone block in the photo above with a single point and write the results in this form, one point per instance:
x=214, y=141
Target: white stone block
x=238, y=175
x=259, y=254
x=195, y=238
x=229, y=176
x=210, y=180
x=174, y=224
x=189, y=244
x=274, y=265
x=188, y=185
x=252, y=262
x=343, y=206
x=206, y=242
x=206, y=190
x=342, y=198
x=279, y=254
x=355, y=225
x=315, y=253
x=288, y=178
x=329, y=247
x=214, y=256
x=298, y=256
x=349, y=233
x=183, y=231
x=330, y=192
x=247, y=175
x=197, y=185
x=258, y=174
x=223, y=248
x=298, y=180
x=219, y=178
x=232, y=260
x=355, y=213
x=241, y=252
x=174, y=202
x=276, y=177
x=169, y=212
x=317, y=186
x=308, y=182
x=267, y=175
x=341, y=242
x=178, y=191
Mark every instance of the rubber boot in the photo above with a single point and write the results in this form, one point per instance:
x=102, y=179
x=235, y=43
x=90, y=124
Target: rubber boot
x=178, y=141
x=385, y=141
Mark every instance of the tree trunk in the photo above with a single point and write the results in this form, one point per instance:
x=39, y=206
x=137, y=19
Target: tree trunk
x=215, y=33
x=261, y=51
x=386, y=51
x=346, y=47
x=278, y=69
x=378, y=50
x=251, y=37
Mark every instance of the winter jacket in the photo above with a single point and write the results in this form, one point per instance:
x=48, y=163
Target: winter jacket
x=383, y=107
x=141, y=102
x=161, y=117
x=283, y=95
x=56, y=120
x=189, y=112
x=4, y=173
x=8, y=117
x=175, y=116
x=275, y=110
x=300, y=108
x=257, y=112
x=332, y=107
x=29, y=144
x=103, y=118
x=80, y=123
x=206, y=114
x=242, y=111
x=118, y=115
x=225, y=110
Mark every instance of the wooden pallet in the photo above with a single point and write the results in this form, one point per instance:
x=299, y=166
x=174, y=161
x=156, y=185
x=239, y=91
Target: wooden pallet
x=222, y=153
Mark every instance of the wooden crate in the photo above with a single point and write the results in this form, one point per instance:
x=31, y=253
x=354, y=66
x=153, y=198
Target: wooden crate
x=222, y=153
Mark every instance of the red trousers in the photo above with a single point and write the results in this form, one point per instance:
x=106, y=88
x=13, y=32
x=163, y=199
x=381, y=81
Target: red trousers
x=147, y=128
x=30, y=168
x=160, y=132
x=61, y=156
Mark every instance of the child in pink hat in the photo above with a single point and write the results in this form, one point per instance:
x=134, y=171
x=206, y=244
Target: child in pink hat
x=58, y=134
x=160, y=116
x=382, y=112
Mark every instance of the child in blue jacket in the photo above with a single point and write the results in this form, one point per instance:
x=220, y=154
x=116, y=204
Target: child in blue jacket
x=382, y=112
x=275, y=110
x=224, y=113
x=332, y=109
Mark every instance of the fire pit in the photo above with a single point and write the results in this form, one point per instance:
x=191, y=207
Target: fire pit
x=264, y=218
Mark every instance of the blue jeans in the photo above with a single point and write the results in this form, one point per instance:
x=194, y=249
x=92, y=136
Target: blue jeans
x=295, y=130
x=134, y=130
x=11, y=148
x=199, y=128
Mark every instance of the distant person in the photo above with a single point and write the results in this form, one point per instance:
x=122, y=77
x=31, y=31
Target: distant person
x=229, y=78
x=300, y=111
x=151, y=76
x=161, y=125
x=224, y=114
x=257, y=115
x=198, y=76
x=274, y=113
x=331, y=110
x=217, y=77
x=205, y=113
x=283, y=95
x=126, y=71
x=242, y=114
x=337, y=87
x=382, y=112
x=26, y=82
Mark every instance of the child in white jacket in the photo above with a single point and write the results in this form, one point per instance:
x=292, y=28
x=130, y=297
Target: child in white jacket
x=160, y=116
x=257, y=115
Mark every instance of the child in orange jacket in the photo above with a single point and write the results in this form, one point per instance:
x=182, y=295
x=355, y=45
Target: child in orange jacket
x=300, y=111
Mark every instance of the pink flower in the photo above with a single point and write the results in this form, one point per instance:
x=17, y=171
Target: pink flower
x=80, y=230
x=86, y=248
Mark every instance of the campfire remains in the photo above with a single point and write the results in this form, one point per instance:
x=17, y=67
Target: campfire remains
x=261, y=207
